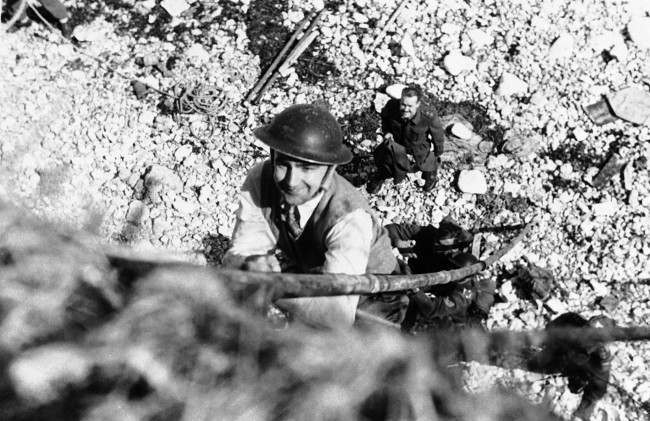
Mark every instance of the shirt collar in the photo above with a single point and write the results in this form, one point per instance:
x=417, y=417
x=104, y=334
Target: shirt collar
x=307, y=209
x=417, y=117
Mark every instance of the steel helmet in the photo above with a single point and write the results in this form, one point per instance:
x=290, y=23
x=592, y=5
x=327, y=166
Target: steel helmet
x=306, y=132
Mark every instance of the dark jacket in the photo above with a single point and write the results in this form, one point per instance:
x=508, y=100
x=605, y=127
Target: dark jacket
x=308, y=250
x=416, y=135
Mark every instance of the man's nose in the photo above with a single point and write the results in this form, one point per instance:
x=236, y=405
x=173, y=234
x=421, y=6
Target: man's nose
x=292, y=177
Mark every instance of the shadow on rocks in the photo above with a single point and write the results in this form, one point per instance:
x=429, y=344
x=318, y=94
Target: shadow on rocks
x=358, y=126
x=215, y=247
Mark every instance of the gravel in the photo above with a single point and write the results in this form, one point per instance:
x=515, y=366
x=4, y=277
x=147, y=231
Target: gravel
x=80, y=149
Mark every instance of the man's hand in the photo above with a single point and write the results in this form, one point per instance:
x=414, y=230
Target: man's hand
x=388, y=137
x=262, y=263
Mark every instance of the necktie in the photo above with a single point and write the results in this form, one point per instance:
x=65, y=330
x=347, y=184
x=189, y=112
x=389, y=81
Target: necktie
x=291, y=219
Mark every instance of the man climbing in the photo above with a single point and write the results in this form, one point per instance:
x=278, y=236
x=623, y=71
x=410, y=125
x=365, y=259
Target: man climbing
x=297, y=214
x=413, y=140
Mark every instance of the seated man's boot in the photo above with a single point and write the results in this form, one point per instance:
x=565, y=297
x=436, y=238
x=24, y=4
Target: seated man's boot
x=430, y=180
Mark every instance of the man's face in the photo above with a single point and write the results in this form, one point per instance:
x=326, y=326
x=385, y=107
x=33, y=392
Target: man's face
x=408, y=106
x=297, y=180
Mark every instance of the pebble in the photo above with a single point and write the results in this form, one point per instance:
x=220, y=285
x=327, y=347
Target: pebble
x=510, y=84
x=198, y=53
x=137, y=212
x=395, y=91
x=174, y=7
x=461, y=131
x=407, y=46
x=628, y=176
x=456, y=63
x=183, y=152
x=580, y=134
x=639, y=31
x=606, y=208
x=147, y=117
x=380, y=101
x=562, y=47
x=472, y=181
x=449, y=28
x=479, y=38
x=159, y=175
x=556, y=306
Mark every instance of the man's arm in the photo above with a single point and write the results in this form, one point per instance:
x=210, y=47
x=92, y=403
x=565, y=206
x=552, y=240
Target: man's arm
x=437, y=133
x=252, y=238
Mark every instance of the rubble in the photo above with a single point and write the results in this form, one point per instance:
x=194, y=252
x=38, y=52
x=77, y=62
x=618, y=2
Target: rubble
x=456, y=63
x=472, y=181
x=395, y=90
x=562, y=47
x=510, y=84
x=631, y=104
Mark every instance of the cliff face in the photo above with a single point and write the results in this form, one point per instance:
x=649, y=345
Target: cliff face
x=83, y=336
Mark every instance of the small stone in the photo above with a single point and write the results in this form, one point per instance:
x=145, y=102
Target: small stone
x=162, y=176
x=556, y=306
x=198, y=53
x=395, y=90
x=511, y=85
x=183, y=152
x=639, y=31
x=380, y=101
x=619, y=50
x=147, y=117
x=206, y=195
x=580, y=134
x=628, y=176
x=137, y=212
x=479, y=38
x=185, y=207
x=606, y=208
x=472, y=181
x=456, y=63
x=461, y=131
x=449, y=28
x=631, y=104
x=562, y=47
x=174, y=7
x=407, y=46
x=599, y=288
x=148, y=4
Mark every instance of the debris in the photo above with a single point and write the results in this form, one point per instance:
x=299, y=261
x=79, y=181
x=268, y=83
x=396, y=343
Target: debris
x=395, y=90
x=183, y=152
x=472, y=181
x=456, y=63
x=600, y=112
x=147, y=117
x=473, y=148
x=562, y=47
x=608, y=302
x=174, y=7
x=136, y=213
x=510, y=84
x=609, y=170
x=639, y=31
x=580, y=134
x=164, y=177
x=139, y=89
x=449, y=28
x=631, y=104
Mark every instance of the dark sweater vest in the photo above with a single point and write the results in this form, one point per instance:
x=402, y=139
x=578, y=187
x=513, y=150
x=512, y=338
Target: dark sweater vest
x=307, y=252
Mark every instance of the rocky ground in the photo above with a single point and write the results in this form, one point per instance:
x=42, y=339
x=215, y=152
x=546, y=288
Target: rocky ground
x=80, y=149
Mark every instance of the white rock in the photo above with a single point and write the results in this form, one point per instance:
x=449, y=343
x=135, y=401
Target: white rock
x=159, y=175
x=510, y=187
x=449, y=28
x=148, y=4
x=137, y=212
x=498, y=161
x=456, y=63
x=562, y=47
x=147, y=117
x=197, y=52
x=472, y=181
x=88, y=34
x=295, y=16
x=599, y=288
x=606, y=208
x=174, y=7
x=639, y=30
x=183, y=152
x=556, y=306
x=580, y=134
x=395, y=90
x=511, y=85
x=380, y=101
x=185, y=207
x=619, y=50
x=206, y=195
x=461, y=131
x=407, y=46
x=479, y=38
x=628, y=176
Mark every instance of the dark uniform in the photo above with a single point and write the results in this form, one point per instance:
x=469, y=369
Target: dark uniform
x=411, y=137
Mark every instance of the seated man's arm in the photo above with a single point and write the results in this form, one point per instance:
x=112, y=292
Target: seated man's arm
x=252, y=238
x=348, y=248
x=437, y=134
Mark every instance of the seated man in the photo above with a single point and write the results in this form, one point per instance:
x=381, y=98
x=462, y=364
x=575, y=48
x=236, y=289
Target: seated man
x=53, y=8
x=408, y=131
x=465, y=303
x=295, y=205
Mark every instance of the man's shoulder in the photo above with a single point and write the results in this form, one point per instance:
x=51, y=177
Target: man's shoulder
x=345, y=198
x=391, y=109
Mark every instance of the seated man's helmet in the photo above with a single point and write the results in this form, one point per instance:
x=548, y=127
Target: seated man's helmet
x=308, y=133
